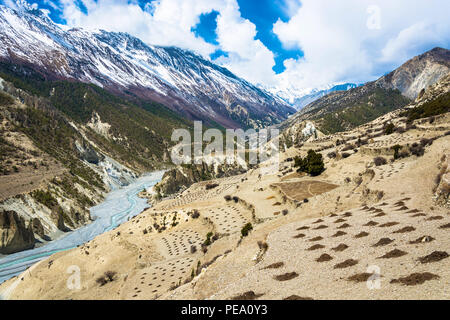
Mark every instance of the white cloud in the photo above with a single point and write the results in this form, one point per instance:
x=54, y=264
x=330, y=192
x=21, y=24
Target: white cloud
x=169, y=23
x=342, y=41
x=248, y=57
x=339, y=46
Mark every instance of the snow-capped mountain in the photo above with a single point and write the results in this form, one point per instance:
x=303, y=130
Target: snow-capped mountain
x=301, y=98
x=181, y=80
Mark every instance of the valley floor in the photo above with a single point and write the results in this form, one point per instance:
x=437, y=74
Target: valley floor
x=364, y=232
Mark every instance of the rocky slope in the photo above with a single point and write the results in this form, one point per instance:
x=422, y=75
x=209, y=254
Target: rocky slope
x=418, y=73
x=182, y=177
x=15, y=235
x=181, y=80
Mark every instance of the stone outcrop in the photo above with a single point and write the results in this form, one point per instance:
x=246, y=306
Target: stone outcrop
x=185, y=175
x=15, y=235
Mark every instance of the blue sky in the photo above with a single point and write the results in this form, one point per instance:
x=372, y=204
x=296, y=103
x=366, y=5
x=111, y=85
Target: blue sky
x=284, y=45
x=262, y=13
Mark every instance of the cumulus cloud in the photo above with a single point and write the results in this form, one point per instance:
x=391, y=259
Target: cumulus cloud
x=342, y=41
x=247, y=56
x=170, y=23
x=358, y=40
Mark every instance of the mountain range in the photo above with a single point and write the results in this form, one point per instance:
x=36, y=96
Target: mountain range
x=181, y=80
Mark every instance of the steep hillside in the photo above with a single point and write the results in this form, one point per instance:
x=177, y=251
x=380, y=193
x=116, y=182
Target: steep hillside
x=418, y=73
x=181, y=80
x=63, y=146
x=343, y=110
x=135, y=132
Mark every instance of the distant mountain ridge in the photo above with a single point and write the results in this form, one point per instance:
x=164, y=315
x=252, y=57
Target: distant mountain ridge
x=118, y=62
x=299, y=98
x=302, y=102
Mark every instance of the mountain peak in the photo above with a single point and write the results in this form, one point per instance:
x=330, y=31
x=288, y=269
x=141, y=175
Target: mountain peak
x=418, y=73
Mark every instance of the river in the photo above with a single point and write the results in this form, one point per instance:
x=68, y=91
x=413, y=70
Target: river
x=118, y=206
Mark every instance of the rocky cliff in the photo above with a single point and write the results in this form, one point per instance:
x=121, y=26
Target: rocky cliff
x=15, y=234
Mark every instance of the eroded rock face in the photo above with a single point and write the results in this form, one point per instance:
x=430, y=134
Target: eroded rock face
x=184, y=176
x=15, y=235
x=172, y=181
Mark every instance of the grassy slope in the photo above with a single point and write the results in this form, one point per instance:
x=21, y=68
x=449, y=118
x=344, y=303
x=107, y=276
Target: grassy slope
x=142, y=128
x=361, y=110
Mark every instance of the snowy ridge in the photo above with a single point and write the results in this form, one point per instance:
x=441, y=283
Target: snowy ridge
x=182, y=80
x=301, y=98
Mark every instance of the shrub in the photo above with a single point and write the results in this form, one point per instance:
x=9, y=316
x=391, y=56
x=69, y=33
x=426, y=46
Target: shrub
x=379, y=161
x=108, y=276
x=285, y=212
x=426, y=142
x=195, y=214
x=45, y=197
x=5, y=99
x=331, y=155
x=396, y=149
x=208, y=241
x=262, y=245
x=236, y=199
x=193, y=249
x=400, y=130
x=210, y=186
x=101, y=281
x=348, y=147
x=403, y=154
x=417, y=149
x=345, y=155
x=227, y=197
x=389, y=128
x=312, y=163
x=246, y=229
x=361, y=142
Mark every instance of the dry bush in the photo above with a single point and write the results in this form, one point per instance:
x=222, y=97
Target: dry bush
x=210, y=186
x=379, y=161
x=195, y=214
x=108, y=276
x=331, y=155
x=348, y=147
